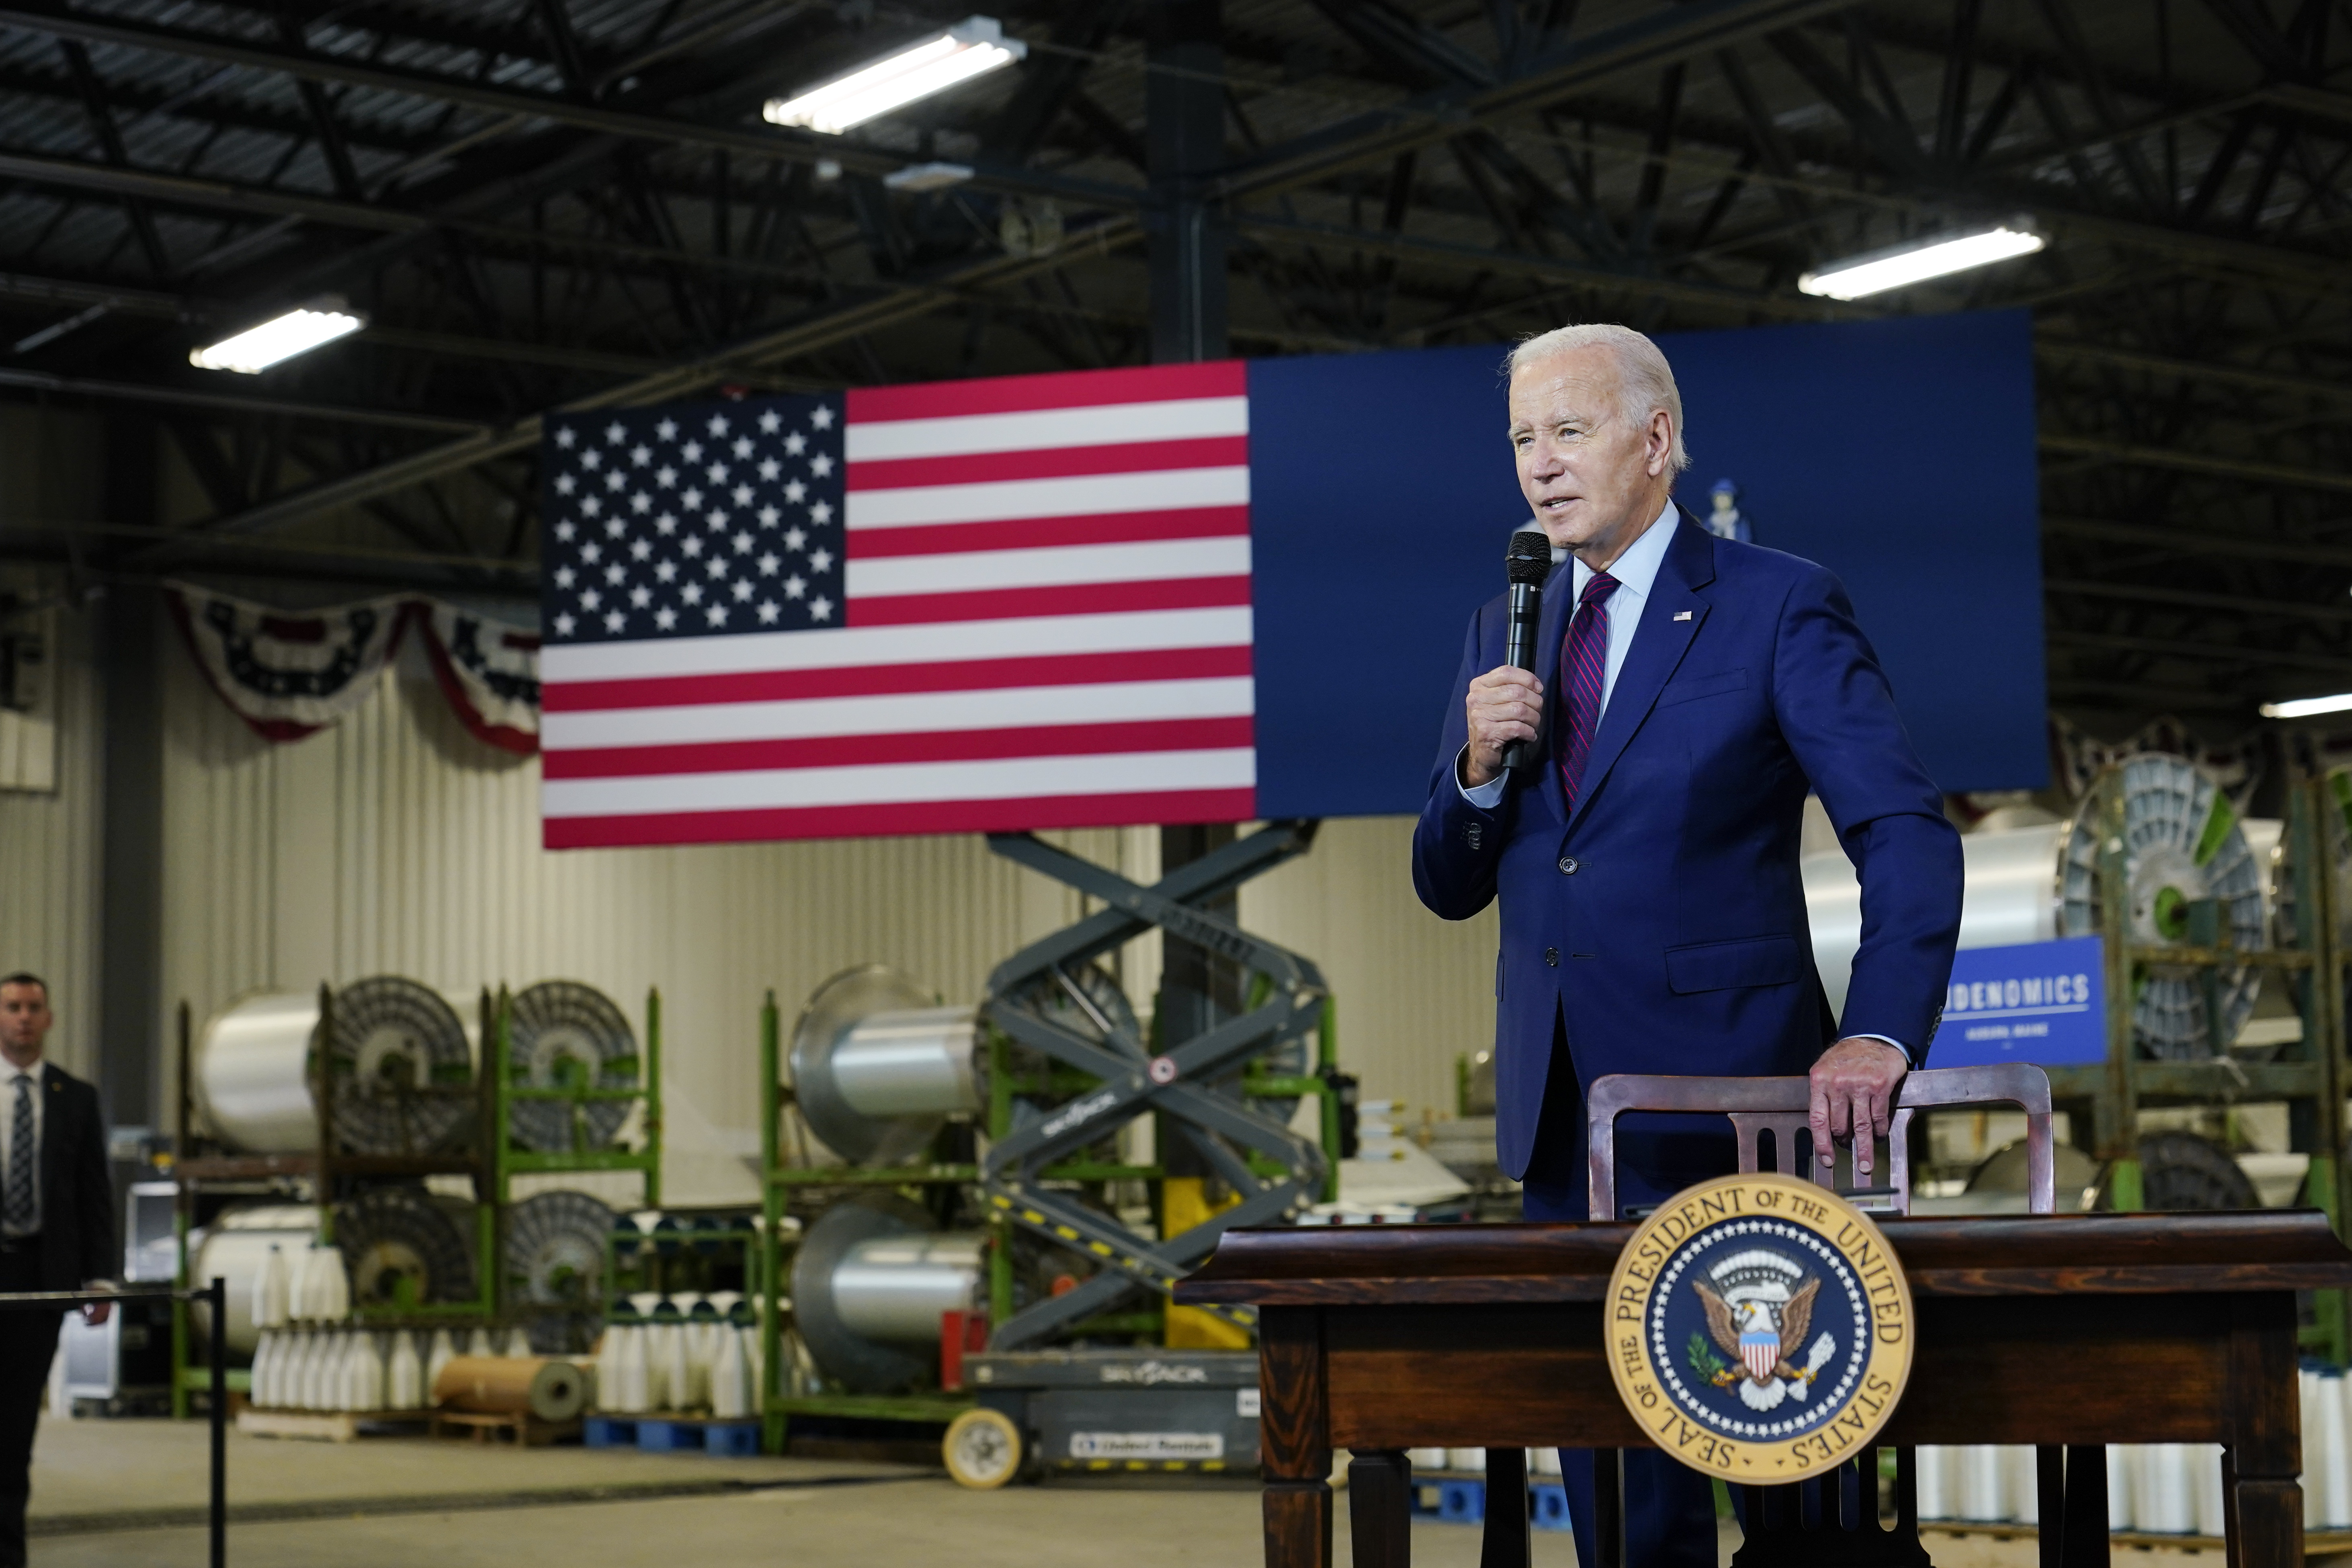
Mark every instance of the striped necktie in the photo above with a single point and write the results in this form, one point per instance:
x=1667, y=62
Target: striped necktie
x=1584, y=667
x=21, y=1209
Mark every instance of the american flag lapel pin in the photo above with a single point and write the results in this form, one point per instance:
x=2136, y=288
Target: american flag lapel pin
x=1682, y=615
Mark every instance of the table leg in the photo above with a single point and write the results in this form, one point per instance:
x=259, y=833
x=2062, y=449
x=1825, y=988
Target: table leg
x=1379, y=1508
x=2261, y=1501
x=2269, y=1524
x=1608, y=1509
x=1509, y=1543
x=1295, y=1438
x=2085, y=1544
x=2049, y=1494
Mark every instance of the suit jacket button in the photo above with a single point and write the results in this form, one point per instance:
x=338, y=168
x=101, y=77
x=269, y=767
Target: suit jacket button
x=1568, y=866
x=1551, y=957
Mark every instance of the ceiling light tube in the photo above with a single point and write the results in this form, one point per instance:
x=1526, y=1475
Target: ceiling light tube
x=972, y=47
x=1904, y=265
x=2305, y=707
x=258, y=348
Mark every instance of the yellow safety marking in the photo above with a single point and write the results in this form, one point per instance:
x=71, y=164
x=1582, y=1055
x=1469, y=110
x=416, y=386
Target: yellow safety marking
x=1137, y=1465
x=1065, y=1233
x=1097, y=1246
x=1033, y=1217
x=1002, y=1203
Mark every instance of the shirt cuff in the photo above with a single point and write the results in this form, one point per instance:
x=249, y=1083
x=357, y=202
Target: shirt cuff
x=1883, y=1040
x=1486, y=797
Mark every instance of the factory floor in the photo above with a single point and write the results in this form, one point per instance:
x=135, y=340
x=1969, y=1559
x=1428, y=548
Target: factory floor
x=130, y=1494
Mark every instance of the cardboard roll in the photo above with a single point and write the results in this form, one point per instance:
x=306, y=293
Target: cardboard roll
x=554, y=1256
x=869, y=1282
x=391, y=1234
x=559, y=1034
x=546, y=1388
x=403, y=1059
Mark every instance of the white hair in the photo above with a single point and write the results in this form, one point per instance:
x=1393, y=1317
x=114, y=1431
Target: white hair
x=1646, y=381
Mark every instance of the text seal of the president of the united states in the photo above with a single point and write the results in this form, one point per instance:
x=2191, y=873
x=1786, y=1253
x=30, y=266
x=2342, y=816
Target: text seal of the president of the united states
x=1759, y=1329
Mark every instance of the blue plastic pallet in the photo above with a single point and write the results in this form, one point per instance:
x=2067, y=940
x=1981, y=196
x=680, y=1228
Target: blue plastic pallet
x=654, y=1435
x=1465, y=1502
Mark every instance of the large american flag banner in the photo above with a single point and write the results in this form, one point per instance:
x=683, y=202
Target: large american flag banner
x=974, y=605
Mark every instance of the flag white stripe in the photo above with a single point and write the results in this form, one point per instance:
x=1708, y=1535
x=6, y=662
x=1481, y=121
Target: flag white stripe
x=1012, y=778
x=1148, y=561
x=900, y=713
x=850, y=647
x=1071, y=495
x=1106, y=424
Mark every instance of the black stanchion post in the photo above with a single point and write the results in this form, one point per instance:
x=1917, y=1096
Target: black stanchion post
x=217, y=1294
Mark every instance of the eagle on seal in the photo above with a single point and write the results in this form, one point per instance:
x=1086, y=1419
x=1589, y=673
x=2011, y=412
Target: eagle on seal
x=1749, y=1333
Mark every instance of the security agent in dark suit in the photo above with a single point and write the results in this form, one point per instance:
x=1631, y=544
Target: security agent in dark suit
x=56, y=1227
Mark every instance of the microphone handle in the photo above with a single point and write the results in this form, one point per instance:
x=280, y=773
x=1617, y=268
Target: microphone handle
x=1520, y=652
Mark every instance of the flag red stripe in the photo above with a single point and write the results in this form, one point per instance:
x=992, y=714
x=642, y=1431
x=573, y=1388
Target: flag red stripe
x=880, y=751
x=1065, y=389
x=1074, y=599
x=1050, y=463
x=897, y=819
x=880, y=679
x=1043, y=533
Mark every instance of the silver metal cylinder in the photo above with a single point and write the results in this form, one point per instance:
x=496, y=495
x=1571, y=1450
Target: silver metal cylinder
x=2011, y=894
x=252, y=1073
x=894, y=1288
x=921, y=1062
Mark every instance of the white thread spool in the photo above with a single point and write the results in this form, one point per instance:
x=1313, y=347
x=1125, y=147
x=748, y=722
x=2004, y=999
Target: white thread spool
x=2120, y=1468
x=1981, y=1492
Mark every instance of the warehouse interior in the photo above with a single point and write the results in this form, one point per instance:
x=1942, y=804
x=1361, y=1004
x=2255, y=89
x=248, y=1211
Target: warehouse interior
x=531, y=212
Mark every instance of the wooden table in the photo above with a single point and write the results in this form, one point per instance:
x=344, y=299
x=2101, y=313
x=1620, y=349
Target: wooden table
x=2070, y=1329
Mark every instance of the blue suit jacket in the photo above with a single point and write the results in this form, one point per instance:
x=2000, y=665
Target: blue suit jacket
x=1677, y=943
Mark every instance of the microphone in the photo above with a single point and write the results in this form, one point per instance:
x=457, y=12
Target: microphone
x=1527, y=563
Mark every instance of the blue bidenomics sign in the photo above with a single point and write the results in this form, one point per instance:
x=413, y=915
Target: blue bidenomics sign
x=2041, y=1002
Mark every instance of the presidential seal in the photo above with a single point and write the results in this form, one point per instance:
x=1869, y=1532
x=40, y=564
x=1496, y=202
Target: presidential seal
x=1759, y=1329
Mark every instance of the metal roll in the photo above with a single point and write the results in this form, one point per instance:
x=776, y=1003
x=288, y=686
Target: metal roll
x=869, y=1282
x=2183, y=842
x=256, y=1061
x=553, y=1255
x=878, y=1065
x=391, y=1234
x=235, y=1247
x=562, y=1034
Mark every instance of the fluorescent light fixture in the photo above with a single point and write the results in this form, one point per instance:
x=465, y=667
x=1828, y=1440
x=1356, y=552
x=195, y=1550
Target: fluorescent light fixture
x=2305, y=707
x=258, y=348
x=920, y=177
x=972, y=47
x=1915, y=263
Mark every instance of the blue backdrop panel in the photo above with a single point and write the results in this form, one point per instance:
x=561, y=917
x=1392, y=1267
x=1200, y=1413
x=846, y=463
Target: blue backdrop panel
x=1900, y=454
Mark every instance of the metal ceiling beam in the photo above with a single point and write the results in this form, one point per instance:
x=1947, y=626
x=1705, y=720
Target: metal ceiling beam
x=795, y=146
x=2066, y=350
x=825, y=328
x=2232, y=604
x=2172, y=647
x=2195, y=462
x=189, y=397
x=2139, y=694
x=2234, y=545
x=1649, y=43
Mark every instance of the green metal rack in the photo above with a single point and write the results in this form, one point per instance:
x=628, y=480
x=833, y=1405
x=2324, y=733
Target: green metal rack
x=2310, y=1076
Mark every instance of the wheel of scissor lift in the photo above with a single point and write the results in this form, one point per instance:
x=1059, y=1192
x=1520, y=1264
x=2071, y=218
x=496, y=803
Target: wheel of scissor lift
x=982, y=1449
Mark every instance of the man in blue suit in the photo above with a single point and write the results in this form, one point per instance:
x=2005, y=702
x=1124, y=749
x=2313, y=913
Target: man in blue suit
x=1689, y=692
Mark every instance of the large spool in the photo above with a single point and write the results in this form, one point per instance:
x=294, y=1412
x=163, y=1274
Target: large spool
x=235, y=1247
x=554, y=1260
x=564, y=1035
x=2182, y=842
x=402, y=1057
x=869, y=1282
x=391, y=1234
x=878, y=1068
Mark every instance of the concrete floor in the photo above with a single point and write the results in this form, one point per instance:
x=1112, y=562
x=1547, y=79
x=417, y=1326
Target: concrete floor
x=129, y=1494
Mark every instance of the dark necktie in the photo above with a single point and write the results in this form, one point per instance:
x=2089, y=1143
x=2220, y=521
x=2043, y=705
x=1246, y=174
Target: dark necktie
x=21, y=1208
x=1583, y=667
